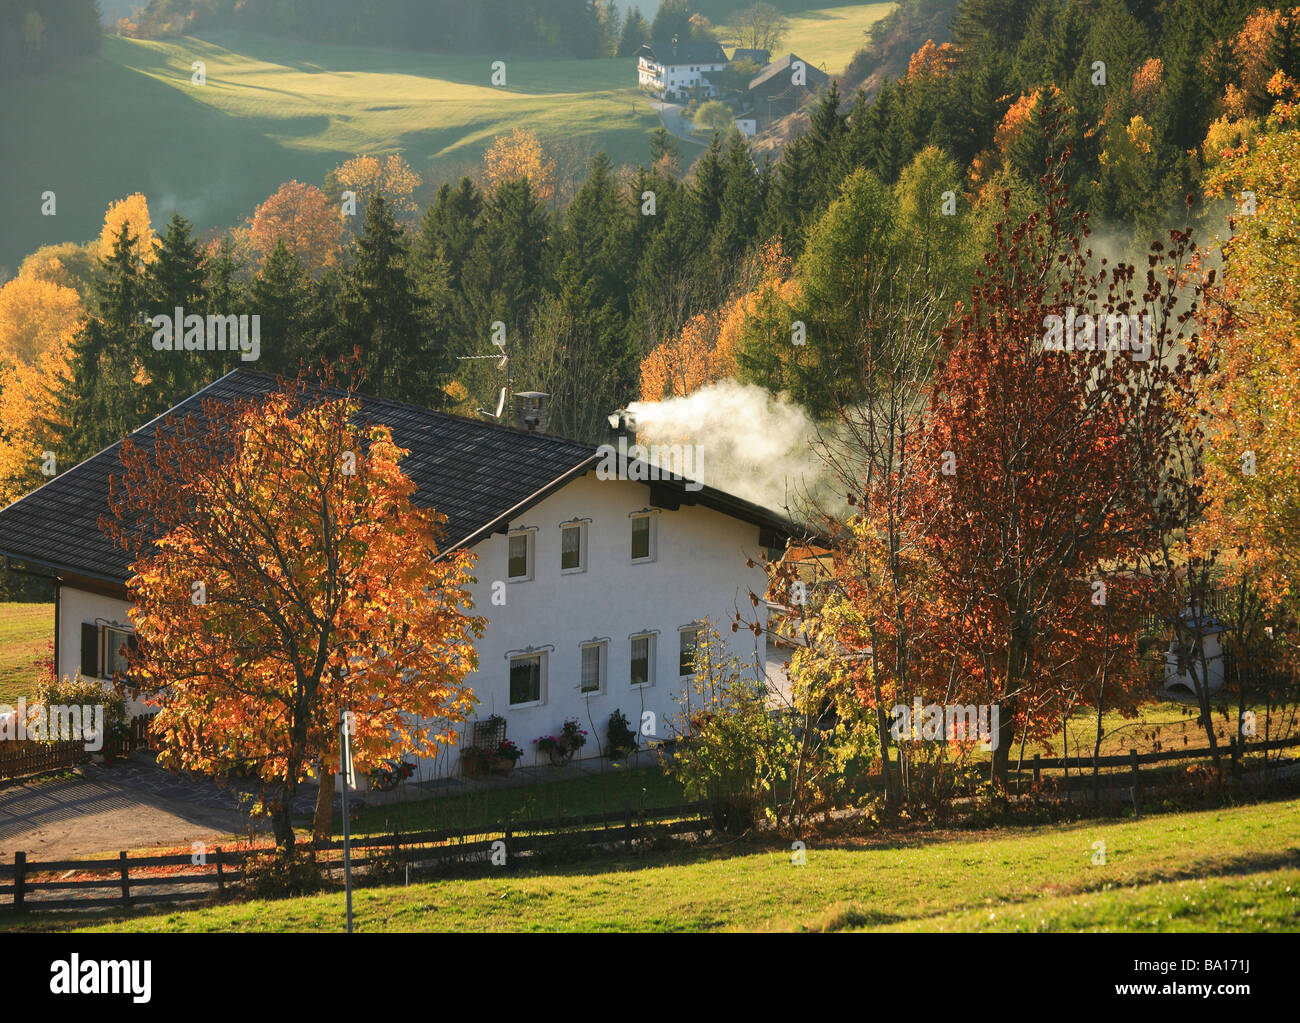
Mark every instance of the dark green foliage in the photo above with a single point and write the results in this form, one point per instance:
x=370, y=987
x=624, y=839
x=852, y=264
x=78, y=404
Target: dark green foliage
x=636, y=33
x=551, y=27
x=385, y=316
x=36, y=38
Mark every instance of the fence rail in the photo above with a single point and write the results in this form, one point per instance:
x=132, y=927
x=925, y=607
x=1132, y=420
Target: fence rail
x=33, y=756
x=23, y=884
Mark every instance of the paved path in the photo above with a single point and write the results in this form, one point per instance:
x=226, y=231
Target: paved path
x=126, y=805
x=135, y=804
x=675, y=121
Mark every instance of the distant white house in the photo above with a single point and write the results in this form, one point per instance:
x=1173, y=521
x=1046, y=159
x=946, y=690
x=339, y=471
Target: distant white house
x=680, y=71
x=594, y=589
x=1207, y=671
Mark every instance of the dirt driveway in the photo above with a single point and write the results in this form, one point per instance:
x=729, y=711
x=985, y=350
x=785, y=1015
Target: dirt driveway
x=121, y=806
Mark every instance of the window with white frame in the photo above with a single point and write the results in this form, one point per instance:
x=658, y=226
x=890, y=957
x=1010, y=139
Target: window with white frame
x=104, y=649
x=527, y=679
x=688, y=642
x=116, y=644
x=593, y=668
x=643, y=660
x=520, y=557
x=573, y=547
x=643, y=537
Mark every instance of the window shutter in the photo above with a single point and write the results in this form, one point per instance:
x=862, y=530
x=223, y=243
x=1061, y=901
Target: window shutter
x=89, y=650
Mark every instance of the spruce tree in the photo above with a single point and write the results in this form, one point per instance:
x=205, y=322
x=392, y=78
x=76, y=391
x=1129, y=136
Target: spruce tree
x=636, y=33
x=281, y=296
x=383, y=315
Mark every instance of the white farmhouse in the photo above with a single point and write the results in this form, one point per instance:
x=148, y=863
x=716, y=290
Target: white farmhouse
x=599, y=584
x=680, y=71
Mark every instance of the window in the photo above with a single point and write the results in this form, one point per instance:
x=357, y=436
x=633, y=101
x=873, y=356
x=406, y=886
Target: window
x=520, y=565
x=642, y=660
x=689, y=639
x=593, y=667
x=643, y=538
x=573, y=547
x=104, y=650
x=525, y=679
x=116, y=644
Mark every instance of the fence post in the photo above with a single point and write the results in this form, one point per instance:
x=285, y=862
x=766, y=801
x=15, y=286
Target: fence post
x=627, y=822
x=1235, y=750
x=509, y=835
x=1137, y=780
x=1038, y=770
x=221, y=874
x=20, y=880
x=125, y=872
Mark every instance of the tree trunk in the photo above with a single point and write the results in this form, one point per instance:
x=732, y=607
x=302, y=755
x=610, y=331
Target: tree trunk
x=1006, y=740
x=281, y=822
x=322, y=828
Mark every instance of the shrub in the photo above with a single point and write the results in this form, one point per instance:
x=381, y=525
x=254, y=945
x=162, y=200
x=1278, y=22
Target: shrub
x=273, y=875
x=733, y=750
x=620, y=739
x=79, y=692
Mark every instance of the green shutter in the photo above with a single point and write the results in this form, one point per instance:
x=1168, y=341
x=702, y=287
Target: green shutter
x=89, y=650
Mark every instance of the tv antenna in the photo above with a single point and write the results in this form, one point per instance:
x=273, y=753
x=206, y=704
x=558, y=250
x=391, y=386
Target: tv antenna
x=503, y=363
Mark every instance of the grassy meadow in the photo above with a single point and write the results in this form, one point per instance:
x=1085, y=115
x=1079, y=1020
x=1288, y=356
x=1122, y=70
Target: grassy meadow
x=277, y=109
x=274, y=110
x=26, y=632
x=1191, y=871
x=827, y=37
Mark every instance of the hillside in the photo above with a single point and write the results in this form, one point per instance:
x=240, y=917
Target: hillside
x=272, y=110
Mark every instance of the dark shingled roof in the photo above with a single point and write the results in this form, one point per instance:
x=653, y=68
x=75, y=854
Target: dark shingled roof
x=815, y=77
x=478, y=474
x=672, y=54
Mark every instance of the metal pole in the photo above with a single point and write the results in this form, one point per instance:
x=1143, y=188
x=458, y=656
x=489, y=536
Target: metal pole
x=347, y=823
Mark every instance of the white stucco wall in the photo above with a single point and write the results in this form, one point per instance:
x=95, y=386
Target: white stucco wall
x=676, y=77
x=698, y=571
x=76, y=607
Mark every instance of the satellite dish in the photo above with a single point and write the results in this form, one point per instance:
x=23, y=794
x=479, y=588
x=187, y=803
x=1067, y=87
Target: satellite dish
x=501, y=401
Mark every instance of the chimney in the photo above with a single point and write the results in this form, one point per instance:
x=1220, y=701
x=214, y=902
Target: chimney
x=532, y=410
x=622, y=424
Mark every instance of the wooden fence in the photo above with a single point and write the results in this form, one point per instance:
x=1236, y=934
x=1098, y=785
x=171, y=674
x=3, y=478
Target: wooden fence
x=1134, y=760
x=35, y=885
x=32, y=756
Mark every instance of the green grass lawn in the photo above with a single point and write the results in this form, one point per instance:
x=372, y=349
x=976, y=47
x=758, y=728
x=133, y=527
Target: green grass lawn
x=272, y=110
x=1237, y=868
x=827, y=37
x=26, y=631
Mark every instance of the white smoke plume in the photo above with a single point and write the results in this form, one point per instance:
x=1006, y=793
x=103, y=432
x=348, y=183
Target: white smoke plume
x=752, y=444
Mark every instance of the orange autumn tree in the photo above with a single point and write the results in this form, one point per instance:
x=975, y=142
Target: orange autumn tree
x=286, y=576
x=304, y=219
x=707, y=348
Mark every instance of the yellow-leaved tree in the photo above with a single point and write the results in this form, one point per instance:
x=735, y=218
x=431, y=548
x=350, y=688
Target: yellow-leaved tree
x=133, y=211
